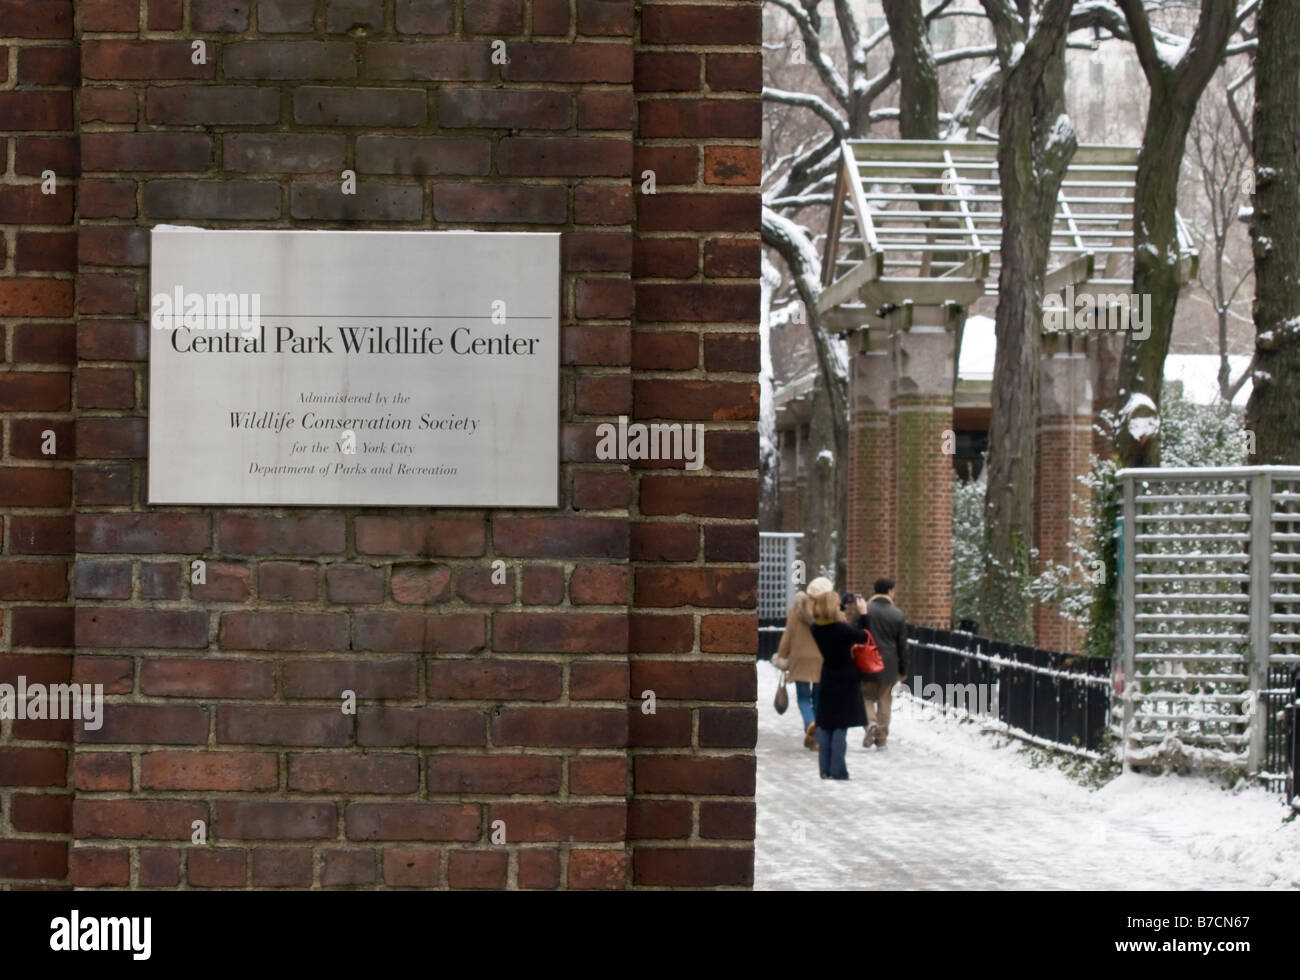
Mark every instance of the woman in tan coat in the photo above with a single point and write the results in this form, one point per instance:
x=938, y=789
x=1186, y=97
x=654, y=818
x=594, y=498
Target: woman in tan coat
x=798, y=654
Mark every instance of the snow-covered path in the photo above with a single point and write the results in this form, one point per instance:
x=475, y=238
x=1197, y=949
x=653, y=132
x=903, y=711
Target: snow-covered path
x=947, y=807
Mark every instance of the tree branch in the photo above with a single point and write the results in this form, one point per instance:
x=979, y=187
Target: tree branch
x=806, y=100
x=980, y=98
x=961, y=54
x=1052, y=21
x=851, y=35
x=791, y=242
x=1135, y=12
x=812, y=43
x=1207, y=48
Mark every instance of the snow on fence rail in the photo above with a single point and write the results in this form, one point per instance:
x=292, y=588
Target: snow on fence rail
x=1210, y=606
x=1041, y=696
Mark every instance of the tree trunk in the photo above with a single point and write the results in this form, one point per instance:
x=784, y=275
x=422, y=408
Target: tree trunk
x=918, y=77
x=1035, y=145
x=825, y=522
x=1155, y=270
x=1273, y=412
x=1175, y=90
x=824, y=517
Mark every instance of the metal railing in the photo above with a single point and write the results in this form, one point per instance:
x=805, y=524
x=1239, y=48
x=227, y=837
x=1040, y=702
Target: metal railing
x=1291, y=729
x=1277, y=707
x=1044, y=697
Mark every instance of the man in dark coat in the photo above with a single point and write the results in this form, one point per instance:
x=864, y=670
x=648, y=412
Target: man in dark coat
x=889, y=629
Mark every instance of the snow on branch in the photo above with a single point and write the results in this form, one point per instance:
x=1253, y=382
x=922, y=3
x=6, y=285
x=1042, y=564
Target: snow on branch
x=830, y=75
x=980, y=98
x=962, y=54
x=851, y=35
x=806, y=100
x=793, y=243
x=800, y=201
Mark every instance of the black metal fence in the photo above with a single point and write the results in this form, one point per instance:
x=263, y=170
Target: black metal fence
x=1058, y=698
x=769, y=637
x=1277, y=706
x=1290, y=739
x=1040, y=695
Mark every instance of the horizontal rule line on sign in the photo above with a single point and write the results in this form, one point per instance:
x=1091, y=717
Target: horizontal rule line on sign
x=393, y=316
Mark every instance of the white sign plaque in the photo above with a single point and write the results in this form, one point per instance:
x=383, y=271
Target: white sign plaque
x=412, y=368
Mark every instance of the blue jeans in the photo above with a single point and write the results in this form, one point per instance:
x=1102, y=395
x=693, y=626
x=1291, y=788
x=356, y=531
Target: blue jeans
x=832, y=745
x=805, y=693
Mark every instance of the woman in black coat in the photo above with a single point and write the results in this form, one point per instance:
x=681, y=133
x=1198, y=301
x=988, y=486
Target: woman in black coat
x=839, y=707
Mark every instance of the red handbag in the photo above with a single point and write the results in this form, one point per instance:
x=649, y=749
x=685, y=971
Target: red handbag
x=866, y=656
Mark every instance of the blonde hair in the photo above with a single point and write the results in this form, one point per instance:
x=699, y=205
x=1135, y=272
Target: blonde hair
x=826, y=607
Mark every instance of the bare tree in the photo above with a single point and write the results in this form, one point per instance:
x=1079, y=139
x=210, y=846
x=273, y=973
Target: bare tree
x=1273, y=412
x=842, y=93
x=1219, y=170
x=845, y=106
x=1177, y=71
x=1036, y=142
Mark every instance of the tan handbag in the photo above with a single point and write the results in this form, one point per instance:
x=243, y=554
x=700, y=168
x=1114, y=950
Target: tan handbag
x=782, y=695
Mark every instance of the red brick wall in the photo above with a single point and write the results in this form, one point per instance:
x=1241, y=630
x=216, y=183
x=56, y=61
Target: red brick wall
x=1064, y=446
x=873, y=489
x=694, y=358
x=924, y=509
x=38, y=246
x=477, y=703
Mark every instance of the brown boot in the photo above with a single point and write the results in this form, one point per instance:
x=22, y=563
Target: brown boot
x=810, y=736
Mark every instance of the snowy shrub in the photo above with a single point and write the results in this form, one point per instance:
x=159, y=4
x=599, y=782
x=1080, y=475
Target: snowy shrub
x=971, y=561
x=1200, y=435
x=968, y=551
x=1085, y=585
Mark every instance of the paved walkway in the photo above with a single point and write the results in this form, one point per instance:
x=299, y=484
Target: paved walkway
x=945, y=807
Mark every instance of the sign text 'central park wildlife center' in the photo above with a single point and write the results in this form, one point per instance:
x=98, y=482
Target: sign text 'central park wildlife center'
x=354, y=368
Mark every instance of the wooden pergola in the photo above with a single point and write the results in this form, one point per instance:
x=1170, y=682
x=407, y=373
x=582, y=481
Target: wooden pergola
x=921, y=221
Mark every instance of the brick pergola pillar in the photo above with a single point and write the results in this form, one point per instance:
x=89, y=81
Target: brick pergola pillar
x=923, y=346
x=871, y=490
x=1065, y=441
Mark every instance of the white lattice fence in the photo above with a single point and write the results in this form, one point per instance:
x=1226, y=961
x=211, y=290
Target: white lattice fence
x=777, y=553
x=1211, y=602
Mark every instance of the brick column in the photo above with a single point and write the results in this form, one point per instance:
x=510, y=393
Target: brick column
x=1065, y=441
x=924, y=356
x=38, y=254
x=693, y=625
x=872, y=481
x=477, y=701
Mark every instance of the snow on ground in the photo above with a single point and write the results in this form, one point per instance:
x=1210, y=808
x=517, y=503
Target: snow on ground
x=947, y=807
